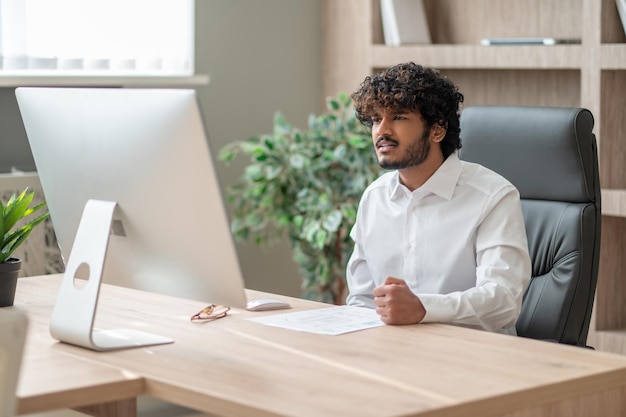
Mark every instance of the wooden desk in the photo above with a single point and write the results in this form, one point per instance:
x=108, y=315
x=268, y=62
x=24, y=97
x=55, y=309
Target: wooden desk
x=52, y=377
x=236, y=367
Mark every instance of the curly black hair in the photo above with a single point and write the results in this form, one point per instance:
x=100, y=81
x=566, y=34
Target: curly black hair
x=410, y=87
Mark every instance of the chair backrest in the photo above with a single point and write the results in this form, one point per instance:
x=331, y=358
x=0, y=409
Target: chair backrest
x=13, y=333
x=550, y=155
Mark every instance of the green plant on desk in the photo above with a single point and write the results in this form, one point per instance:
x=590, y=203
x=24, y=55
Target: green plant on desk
x=16, y=223
x=305, y=184
x=14, y=229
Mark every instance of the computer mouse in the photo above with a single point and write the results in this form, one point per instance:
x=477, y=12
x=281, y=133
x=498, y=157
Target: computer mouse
x=263, y=304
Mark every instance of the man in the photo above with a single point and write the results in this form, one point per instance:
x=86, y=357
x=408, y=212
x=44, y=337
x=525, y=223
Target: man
x=436, y=239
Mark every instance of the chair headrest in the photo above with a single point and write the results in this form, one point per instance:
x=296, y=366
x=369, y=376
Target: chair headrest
x=548, y=153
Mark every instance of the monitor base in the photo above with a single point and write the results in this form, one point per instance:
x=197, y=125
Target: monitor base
x=74, y=313
x=113, y=339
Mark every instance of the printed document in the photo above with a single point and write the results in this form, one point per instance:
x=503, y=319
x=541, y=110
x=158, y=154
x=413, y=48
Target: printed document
x=330, y=321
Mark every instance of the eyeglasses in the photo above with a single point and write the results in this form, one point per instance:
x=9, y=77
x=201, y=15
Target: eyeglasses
x=209, y=313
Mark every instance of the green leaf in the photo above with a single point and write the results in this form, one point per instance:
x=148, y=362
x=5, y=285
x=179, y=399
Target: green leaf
x=254, y=173
x=349, y=211
x=320, y=239
x=272, y=171
x=322, y=271
x=259, y=190
x=13, y=214
x=333, y=221
x=280, y=124
x=298, y=137
x=298, y=221
x=345, y=99
x=359, y=142
x=340, y=152
x=2, y=227
x=283, y=219
x=228, y=152
x=253, y=220
x=333, y=104
x=296, y=161
x=15, y=209
x=329, y=155
x=252, y=147
x=311, y=227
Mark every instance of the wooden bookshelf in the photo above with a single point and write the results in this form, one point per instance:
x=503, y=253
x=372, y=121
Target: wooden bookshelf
x=591, y=74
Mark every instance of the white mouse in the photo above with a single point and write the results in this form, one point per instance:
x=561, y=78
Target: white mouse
x=262, y=304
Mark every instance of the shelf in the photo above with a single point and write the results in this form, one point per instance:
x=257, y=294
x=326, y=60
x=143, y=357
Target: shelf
x=613, y=56
x=614, y=203
x=608, y=340
x=479, y=56
x=102, y=81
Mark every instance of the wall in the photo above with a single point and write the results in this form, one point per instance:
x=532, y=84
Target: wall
x=14, y=149
x=261, y=56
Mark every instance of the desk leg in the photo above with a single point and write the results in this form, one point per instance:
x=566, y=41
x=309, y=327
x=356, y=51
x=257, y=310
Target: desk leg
x=121, y=408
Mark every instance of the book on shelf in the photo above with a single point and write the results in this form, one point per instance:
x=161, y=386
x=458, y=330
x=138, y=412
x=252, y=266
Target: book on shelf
x=528, y=41
x=621, y=10
x=404, y=22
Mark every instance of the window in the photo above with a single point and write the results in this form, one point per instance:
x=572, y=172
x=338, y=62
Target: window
x=100, y=37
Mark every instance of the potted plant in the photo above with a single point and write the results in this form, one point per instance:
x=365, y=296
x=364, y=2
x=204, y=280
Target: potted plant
x=15, y=226
x=305, y=184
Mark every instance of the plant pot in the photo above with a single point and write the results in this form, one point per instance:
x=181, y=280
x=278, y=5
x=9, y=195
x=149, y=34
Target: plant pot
x=9, y=270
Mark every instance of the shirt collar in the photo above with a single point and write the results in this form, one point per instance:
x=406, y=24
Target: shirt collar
x=442, y=182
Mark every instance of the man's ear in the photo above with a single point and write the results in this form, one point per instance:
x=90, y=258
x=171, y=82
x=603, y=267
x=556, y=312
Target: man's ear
x=437, y=133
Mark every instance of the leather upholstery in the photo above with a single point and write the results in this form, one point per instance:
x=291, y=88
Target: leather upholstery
x=550, y=155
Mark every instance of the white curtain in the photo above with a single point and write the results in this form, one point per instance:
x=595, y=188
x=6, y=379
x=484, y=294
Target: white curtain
x=106, y=37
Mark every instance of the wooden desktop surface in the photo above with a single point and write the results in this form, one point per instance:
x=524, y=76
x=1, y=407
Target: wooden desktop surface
x=235, y=367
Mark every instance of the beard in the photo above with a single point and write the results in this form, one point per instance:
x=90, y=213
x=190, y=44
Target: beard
x=414, y=155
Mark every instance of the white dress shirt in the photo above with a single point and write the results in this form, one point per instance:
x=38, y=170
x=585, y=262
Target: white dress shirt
x=458, y=241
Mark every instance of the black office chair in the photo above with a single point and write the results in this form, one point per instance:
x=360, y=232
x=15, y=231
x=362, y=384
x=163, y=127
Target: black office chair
x=550, y=155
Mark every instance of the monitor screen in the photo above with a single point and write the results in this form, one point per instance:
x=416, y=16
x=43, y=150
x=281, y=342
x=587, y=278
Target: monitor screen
x=147, y=151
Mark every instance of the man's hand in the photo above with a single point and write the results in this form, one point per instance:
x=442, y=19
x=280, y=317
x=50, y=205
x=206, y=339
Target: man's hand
x=396, y=303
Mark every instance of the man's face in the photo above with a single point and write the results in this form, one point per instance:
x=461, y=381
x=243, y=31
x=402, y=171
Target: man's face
x=401, y=140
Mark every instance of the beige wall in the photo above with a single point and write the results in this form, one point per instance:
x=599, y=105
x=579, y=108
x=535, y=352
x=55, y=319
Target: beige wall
x=261, y=56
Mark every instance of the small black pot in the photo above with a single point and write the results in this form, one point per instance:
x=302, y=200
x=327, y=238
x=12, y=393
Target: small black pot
x=9, y=270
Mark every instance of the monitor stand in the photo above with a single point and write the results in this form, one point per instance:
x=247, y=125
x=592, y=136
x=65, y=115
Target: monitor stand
x=75, y=310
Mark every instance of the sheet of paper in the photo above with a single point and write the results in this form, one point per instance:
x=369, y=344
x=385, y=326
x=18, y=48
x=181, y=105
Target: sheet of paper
x=331, y=321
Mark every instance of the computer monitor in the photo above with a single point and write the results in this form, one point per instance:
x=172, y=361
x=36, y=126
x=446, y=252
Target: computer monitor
x=133, y=169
